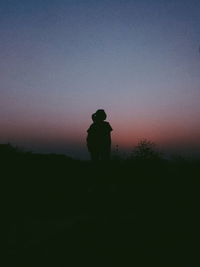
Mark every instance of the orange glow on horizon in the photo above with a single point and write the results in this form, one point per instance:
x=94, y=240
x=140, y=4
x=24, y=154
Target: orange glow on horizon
x=125, y=133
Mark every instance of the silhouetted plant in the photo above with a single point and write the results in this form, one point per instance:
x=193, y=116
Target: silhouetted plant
x=116, y=154
x=8, y=149
x=145, y=150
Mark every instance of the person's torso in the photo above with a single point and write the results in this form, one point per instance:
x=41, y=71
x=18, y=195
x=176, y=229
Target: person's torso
x=99, y=133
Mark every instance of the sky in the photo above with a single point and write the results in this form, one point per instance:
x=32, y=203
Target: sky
x=61, y=60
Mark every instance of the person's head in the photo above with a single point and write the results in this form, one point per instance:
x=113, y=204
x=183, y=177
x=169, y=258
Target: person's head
x=94, y=117
x=100, y=115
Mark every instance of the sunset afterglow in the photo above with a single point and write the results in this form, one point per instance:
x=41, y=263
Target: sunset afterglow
x=60, y=61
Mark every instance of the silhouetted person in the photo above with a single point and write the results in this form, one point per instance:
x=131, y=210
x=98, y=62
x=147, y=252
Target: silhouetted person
x=99, y=137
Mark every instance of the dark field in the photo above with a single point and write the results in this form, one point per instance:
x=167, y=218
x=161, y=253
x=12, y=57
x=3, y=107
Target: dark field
x=63, y=212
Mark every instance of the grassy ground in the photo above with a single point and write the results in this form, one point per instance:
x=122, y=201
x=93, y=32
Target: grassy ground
x=62, y=212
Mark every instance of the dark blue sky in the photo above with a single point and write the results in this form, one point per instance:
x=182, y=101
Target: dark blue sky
x=62, y=60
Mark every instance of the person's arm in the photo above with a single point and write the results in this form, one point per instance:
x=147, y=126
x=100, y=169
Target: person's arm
x=110, y=129
x=89, y=137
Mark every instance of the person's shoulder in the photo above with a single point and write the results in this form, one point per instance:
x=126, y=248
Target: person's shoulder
x=107, y=125
x=92, y=126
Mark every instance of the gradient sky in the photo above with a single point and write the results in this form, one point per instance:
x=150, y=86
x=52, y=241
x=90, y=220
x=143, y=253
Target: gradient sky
x=60, y=61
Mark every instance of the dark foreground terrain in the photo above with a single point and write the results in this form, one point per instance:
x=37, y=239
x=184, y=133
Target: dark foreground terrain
x=63, y=212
